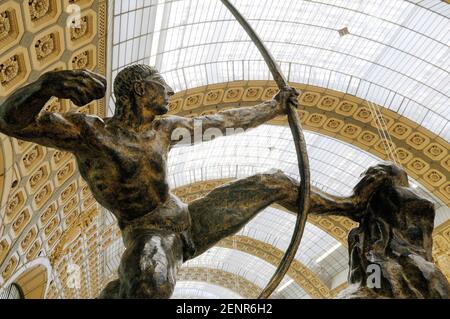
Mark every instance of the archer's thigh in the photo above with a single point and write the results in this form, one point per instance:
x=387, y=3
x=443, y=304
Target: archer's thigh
x=148, y=266
x=226, y=209
x=111, y=291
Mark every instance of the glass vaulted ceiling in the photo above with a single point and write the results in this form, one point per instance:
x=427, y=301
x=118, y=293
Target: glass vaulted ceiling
x=396, y=52
x=396, y=55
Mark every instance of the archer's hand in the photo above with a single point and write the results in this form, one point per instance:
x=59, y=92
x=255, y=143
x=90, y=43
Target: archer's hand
x=286, y=97
x=79, y=86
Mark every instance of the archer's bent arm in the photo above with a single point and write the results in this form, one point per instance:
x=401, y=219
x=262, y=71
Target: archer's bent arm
x=230, y=121
x=21, y=116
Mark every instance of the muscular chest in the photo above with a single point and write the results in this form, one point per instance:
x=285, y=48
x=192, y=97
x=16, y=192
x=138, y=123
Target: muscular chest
x=136, y=156
x=126, y=158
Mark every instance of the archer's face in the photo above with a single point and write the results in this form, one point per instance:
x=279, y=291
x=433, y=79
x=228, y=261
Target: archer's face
x=156, y=95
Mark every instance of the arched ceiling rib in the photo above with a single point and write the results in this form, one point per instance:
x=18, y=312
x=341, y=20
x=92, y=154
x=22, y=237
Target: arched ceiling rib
x=394, y=55
x=320, y=253
x=6, y=176
x=238, y=284
x=246, y=265
x=203, y=290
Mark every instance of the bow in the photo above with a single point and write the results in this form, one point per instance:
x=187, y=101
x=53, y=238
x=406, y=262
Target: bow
x=302, y=157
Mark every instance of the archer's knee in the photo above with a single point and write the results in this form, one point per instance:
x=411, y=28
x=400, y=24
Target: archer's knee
x=278, y=179
x=283, y=185
x=275, y=173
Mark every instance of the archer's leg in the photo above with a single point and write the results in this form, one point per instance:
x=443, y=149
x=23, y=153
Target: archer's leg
x=149, y=265
x=111, y=291
x=226, y=209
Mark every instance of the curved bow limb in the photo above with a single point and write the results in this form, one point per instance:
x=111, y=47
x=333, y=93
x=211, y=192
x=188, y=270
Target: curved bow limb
x=302, y=157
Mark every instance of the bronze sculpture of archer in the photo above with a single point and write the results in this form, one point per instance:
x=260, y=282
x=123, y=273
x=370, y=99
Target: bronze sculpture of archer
x=123, y=159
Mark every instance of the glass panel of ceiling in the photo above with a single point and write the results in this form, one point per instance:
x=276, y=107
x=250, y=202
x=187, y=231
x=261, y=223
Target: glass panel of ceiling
x=12, y=291
x=247, y=266
x=319, y=252
x=394, y=54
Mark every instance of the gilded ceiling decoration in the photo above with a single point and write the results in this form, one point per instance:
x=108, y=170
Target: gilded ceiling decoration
x=43, y=199
x=301, y=275
x=33, y=282
x=240, y=285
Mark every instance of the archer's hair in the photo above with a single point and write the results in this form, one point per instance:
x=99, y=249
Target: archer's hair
x=123, y=84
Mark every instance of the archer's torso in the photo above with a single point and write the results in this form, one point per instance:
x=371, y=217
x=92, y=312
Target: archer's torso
x=125, y=170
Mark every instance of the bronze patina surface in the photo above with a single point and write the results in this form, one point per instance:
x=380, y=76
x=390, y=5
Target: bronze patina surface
x=393, y=241
x=123, y=160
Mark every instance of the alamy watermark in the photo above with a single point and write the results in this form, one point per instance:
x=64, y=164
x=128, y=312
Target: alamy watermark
x=373, y=276
x=196, y=135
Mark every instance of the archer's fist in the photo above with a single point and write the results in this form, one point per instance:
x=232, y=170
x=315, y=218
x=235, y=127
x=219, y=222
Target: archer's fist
x=287, y=96
x=79, y=86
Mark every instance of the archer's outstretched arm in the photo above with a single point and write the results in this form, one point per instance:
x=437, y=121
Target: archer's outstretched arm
x=231, y=121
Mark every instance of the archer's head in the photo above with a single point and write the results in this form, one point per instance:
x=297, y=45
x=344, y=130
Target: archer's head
x=142, y=88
